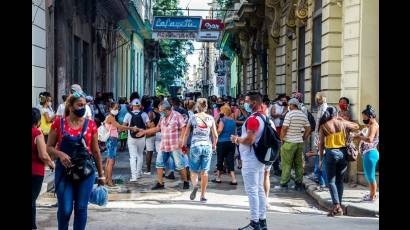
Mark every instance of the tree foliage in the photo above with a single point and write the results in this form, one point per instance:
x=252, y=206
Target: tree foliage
x=173, y=63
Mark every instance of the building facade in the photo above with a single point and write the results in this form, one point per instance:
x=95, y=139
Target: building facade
x=309, y=46
x=99, y=44
x=38, y=50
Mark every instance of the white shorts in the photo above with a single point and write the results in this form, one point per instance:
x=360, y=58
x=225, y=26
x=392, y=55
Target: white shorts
x=150, y=143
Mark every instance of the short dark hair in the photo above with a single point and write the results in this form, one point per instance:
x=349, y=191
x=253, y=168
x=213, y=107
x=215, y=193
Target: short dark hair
x=255, y=96
x=345, y=98
x=280, y=96
x=35, y=116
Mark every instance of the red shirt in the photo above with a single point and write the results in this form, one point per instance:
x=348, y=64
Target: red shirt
x=37, y=166
x=88, y=134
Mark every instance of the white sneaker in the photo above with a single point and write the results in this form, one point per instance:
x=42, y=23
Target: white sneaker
x=268, y=206
x=133, y=180
x=147, y=173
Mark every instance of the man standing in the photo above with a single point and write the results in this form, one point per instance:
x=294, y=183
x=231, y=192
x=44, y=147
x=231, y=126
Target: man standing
x=252, y=168
x=295, y=130
x=136, y=144
x=322, y=106
x=171, y=126
x=277, y=113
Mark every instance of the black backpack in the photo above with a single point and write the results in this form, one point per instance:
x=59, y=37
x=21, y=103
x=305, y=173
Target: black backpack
x=312, y=121
x=267, y=148
x=137, y=121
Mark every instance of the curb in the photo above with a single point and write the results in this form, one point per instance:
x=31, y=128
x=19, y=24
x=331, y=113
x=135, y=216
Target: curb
x=348, y=209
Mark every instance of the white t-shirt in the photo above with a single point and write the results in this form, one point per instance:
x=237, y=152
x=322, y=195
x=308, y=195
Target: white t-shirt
x=296, y=120
x=47, y=110
x=247, y=152
x=88, y=114
x=278, y=110
x=60, y=109
x=128, y=116
x=202, y=125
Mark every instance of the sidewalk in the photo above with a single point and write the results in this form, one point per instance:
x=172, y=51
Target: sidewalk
x=352, y=204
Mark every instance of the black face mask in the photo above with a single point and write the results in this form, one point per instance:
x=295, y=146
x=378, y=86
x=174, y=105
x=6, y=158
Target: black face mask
x=284, y=103
x=366, y=122
x=79, y=112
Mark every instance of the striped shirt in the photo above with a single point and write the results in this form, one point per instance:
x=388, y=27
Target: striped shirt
x=296, y=120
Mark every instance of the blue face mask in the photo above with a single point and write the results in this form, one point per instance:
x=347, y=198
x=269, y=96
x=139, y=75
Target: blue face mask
x=248, y=108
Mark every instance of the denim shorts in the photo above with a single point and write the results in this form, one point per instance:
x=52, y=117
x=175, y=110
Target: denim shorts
x=111, y=144
x=200, y=158
x=162, y=158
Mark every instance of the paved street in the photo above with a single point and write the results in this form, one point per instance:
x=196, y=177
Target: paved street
x=134, y=206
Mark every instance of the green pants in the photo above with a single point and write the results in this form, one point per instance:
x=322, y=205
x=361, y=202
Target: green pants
x=291, y=155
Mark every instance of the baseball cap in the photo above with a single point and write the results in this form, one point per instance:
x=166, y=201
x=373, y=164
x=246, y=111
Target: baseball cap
x=136, y=101
x=293, y=101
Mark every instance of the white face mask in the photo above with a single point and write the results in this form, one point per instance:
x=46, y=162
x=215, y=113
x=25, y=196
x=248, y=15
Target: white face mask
x=50, y=104
x=114, y=112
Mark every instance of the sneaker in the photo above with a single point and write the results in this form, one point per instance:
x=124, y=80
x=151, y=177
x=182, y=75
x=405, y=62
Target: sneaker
x=158, y=186
x=367, y=198
x=203, y=200
x=299, y=187
x=186, y=185
x=268, y=207
x=280, y=188
x=147, y=173
x=251, y=226
x=171, y=176
x=133, y=179
x=193, y=193
x=263, y=225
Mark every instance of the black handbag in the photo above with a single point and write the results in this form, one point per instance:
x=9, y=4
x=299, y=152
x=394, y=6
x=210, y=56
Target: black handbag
x=81, y=161
x=82, y=165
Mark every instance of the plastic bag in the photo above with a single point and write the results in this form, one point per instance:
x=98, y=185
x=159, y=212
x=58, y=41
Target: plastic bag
x=99, y=195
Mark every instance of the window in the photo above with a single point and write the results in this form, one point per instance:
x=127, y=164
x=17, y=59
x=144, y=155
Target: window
x=86, y=80
x=316, y=51
x=301, y=58
x=77, y=64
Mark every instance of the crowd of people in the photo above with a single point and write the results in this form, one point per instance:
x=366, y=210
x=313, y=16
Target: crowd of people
x=185, y=135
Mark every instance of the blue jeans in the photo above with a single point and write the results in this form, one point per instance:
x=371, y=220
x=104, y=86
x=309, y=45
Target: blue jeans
x=171, y=165
x=321, y=175
x=253, y=175
x=112, y=144
x=336, y=166
x=177, y=157
x=200, y=158
x=70, y=194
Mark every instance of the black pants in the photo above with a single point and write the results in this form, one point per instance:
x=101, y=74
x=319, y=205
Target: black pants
x=225, y=150
x=36, y=182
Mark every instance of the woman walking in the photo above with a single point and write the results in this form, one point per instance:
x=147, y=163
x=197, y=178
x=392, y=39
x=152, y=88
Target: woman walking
x=39, y=158
x=47, y=113
x=332, y=138
x=200, y=153
x=71, y=135
x=240, y=117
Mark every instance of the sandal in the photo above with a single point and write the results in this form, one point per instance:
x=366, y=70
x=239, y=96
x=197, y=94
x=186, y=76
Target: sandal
x=216, y=181
x=335, y=212
x=367, y=198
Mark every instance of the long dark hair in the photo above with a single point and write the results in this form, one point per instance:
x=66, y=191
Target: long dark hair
x=330, y=113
